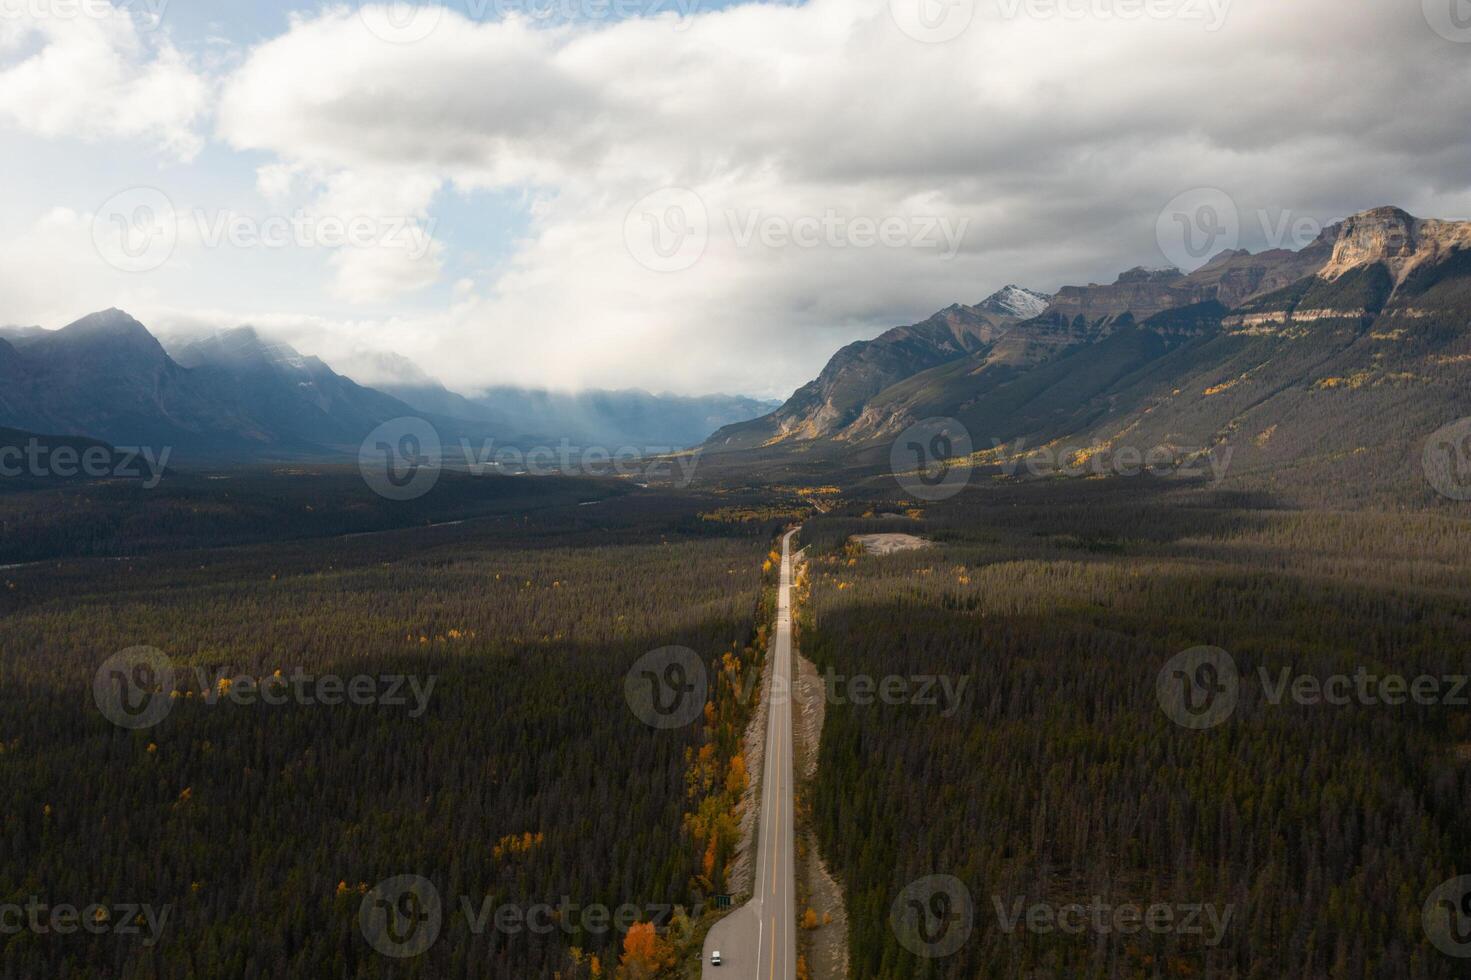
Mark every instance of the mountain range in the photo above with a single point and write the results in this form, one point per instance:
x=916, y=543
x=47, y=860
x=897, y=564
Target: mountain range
x=239, y=395
x=1328, y=363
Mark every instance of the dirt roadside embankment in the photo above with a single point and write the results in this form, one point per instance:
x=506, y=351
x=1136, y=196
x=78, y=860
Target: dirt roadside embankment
x=823, y=940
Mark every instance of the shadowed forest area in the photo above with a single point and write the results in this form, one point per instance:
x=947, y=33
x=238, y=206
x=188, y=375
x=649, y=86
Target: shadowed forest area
x=1060, y=779
x=522, y=778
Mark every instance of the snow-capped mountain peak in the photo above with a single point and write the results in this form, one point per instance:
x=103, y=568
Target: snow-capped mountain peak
x=1017, y=301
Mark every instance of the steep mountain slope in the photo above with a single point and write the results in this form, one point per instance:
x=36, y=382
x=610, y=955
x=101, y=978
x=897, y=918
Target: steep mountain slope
x=105, y=376
x=1334, y=362
x=237, y=394
x=1337, y=380
x=12, y=376
x=292, y=397
x=858, y=372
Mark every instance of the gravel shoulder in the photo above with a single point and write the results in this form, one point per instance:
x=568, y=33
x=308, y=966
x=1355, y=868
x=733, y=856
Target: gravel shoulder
x=825, y=948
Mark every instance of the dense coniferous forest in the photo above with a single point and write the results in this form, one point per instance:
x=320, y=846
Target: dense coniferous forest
x=1060, y=779
x=1056, y=778
x=522, y=778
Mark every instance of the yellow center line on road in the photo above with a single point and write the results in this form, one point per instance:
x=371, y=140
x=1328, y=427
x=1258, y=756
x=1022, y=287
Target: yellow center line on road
x=771, y=971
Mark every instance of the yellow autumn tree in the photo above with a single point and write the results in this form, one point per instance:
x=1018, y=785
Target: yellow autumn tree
x=736, y=779
x=708, y=864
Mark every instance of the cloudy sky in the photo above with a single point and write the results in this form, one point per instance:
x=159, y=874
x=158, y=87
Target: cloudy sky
x=682, y=195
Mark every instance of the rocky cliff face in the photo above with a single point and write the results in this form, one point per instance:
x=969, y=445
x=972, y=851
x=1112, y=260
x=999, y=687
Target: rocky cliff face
x=1373, y=264
x=1396, y=239
x=858, y=372
x=1143, y=292
x=1231, y=279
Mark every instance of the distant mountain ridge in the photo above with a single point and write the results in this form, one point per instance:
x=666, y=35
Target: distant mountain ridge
x=241, y=395
x=860, y=371
x=1328, y=359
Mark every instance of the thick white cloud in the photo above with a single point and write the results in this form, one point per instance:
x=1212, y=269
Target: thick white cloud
x=1051, y=141
x=92, y=71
